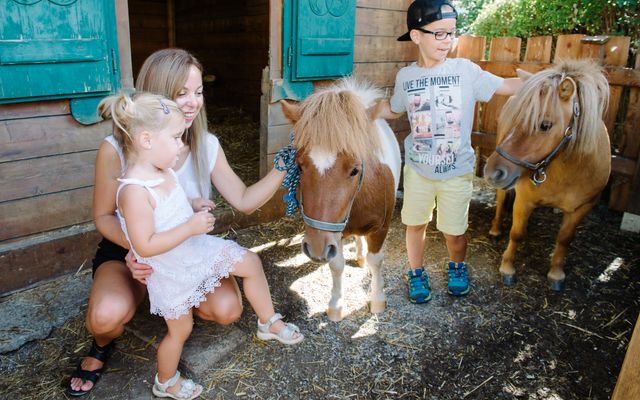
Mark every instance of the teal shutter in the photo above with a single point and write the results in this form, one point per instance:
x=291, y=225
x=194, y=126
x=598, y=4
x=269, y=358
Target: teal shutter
x=324, y=34
x=51, y=49
x=318, y=37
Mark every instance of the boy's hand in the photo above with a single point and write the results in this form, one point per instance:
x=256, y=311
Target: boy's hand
x=201, y=222
x=200, y=204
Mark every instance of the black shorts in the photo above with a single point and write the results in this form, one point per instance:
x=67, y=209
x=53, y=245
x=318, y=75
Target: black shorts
x=108, y=251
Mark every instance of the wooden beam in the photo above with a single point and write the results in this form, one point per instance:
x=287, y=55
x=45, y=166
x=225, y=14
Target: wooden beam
x=628, y=385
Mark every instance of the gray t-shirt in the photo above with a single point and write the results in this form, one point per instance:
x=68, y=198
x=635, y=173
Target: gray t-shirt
x=439, y=102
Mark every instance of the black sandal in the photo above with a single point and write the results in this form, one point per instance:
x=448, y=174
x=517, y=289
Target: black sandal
x=100, y=354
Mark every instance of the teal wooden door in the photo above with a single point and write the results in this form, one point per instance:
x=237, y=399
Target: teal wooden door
x=318, y=38
x=51, y=49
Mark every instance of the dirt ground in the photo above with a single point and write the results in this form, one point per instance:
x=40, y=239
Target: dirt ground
x=518, y=342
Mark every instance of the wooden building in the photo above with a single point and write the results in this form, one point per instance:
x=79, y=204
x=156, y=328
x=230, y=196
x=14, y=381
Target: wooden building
x=59, y=58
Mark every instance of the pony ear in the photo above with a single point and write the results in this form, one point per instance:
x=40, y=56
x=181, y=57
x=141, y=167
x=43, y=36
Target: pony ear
x=375, y=110
x=291, y=111
x=566, y=88
x=523, y=75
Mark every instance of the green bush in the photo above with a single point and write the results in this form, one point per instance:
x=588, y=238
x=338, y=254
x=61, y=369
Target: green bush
x=527, y=18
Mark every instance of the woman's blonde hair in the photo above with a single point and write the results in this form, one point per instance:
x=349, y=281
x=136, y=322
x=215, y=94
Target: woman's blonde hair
x=165, y=72
x=133, y=113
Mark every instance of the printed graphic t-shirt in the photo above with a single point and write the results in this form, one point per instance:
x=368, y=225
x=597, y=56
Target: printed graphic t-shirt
x=439, y=102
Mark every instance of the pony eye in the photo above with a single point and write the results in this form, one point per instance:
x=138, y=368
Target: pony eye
x=545, y=126
x=354, y=172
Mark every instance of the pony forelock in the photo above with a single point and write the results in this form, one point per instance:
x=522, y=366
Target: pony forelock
x=538, y=97
x=334, y=120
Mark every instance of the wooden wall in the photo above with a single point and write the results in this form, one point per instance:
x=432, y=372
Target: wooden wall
x=231, y=39
x=622, y=117
x=377, y=58
x=47, y=172
x=149, y=27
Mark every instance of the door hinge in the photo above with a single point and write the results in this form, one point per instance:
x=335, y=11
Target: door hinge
x=113, y=61
x=289, y=56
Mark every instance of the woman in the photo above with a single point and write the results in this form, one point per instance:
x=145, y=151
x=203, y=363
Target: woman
x=118, y=286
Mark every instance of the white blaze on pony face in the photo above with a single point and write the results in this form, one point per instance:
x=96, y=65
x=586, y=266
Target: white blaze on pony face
x=323, y=160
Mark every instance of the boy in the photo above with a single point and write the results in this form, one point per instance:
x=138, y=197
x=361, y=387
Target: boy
x=448, y=89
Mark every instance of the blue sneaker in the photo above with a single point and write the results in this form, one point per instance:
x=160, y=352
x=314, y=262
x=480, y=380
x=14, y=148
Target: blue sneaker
x=458, y=284
x=419, y=288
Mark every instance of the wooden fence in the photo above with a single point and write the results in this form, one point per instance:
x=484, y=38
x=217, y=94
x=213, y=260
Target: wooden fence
x=622, y=117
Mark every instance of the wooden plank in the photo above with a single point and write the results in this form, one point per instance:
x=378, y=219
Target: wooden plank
x=376, y=22
x=380, y=74
x=26, y=178
x=568, y=46
x=37, y=137
x=471, y=47
x=505, y=49
x=47, y=258
x=275, y=39
x=43, y=213
x=34, y=109
x=278, y=137
x=628, y=384
x=394, y=5
x=538, y=49
x=124, y=44
x=629, y=147
x=382, y=49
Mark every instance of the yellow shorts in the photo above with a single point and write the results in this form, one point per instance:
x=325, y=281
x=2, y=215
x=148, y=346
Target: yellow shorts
x=452, y=196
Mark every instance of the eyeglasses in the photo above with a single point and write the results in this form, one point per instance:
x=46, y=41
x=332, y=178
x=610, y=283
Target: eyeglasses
x=439, y=35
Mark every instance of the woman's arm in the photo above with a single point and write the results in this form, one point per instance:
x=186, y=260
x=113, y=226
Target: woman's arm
x=104, y=195
x=136, y=206
x=243, y=198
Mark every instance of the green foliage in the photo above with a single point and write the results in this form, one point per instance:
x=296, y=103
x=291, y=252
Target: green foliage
x=527, y=18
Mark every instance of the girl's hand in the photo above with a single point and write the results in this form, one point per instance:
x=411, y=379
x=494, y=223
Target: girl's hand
x=201, y=222
x=140, y=272
x=200, y=204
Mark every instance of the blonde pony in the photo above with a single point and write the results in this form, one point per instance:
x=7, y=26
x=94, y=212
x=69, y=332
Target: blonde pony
x=165, y=72
x=132, y=113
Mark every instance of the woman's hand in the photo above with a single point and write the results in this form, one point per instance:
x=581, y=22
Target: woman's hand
x=140, y=272
x=200, y=204
x=201, y=222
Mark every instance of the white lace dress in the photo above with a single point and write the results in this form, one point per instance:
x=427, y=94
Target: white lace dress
x=184, y=275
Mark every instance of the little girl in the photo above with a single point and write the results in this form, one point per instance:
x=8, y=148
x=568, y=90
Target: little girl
x=167, y=234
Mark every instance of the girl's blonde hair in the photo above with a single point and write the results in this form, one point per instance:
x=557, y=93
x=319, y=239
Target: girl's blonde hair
x=132, y=113
x=165, y=72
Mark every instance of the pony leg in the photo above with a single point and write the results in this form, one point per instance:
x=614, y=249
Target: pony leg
x=377, y=299
x=521, y=213
x=566, y=233
x=334, y=310
x=496, y=228
x=361, y=250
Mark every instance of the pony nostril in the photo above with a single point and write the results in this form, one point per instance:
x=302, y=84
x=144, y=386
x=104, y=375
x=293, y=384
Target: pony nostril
x=499, y=174
x=331, y=251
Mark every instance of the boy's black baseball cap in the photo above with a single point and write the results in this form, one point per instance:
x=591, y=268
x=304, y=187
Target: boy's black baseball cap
x=423, y=12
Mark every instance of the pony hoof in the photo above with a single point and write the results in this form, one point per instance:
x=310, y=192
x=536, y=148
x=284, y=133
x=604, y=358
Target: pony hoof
x=494, y=234
x=377, y=306
x=334, y=314
x=508, y=280
x=556, y=285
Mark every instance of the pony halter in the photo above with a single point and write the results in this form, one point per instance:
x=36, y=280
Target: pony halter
x=539, y=175
x=332, y=226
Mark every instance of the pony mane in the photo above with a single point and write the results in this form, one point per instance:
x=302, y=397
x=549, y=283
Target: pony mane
x=334, y=120
x=538, y=97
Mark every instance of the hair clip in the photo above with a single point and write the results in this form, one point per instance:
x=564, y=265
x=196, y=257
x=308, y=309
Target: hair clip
x=165, y=108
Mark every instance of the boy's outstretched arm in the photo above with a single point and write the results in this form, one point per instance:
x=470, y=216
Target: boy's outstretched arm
x=509, y=86
x=382, y=109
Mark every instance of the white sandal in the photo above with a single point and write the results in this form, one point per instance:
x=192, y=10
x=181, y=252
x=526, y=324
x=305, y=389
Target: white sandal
x=188, y=389
x=286, y=334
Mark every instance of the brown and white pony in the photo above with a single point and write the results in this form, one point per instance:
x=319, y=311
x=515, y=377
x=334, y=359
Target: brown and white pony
x=553, y=147
x=349, y=172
